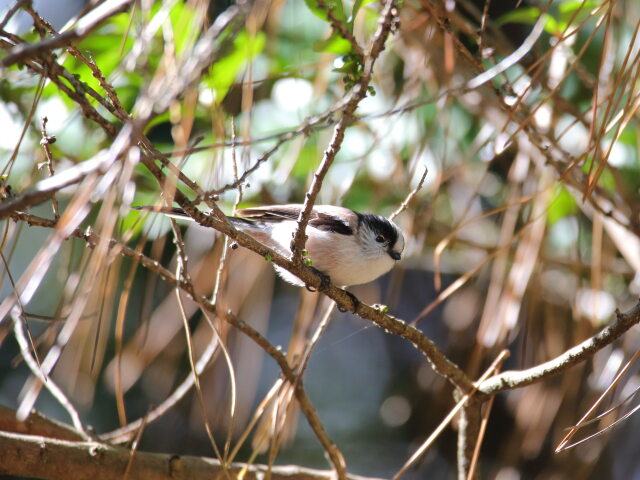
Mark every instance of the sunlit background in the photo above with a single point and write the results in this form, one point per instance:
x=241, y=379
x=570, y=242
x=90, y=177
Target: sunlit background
x=500, y=252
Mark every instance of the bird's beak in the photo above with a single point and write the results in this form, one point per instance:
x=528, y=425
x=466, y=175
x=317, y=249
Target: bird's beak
x=395, y=255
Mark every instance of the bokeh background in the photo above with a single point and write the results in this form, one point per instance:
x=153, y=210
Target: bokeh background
x=525, y=234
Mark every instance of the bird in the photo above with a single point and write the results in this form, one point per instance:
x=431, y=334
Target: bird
x=344, y=246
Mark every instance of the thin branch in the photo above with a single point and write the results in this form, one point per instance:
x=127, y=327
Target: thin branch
x=45, y=142
x=403, y=206
x=36, y=424
x=24, y=51
x=340, y=27
x=127, y=432
x=359, y=91
x=441, y=364
x=585, y=350
x=47, y=188
x=46, y=381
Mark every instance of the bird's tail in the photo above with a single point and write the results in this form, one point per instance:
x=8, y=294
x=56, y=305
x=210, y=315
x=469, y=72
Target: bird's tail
x=168, y=211
x=179, y=213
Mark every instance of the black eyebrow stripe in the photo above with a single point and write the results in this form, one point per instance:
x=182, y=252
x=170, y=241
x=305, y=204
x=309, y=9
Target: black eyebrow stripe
x=380, y=225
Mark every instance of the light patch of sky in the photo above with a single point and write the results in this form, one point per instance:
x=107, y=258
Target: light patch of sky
x=391, y=134
x=576, y=138
x=55, y=12
x=68, y=127
x=338, y=181
x=268, y=119
x=380, y=163
x=426, y=159
x=596, y=304
x=292, y=95
x=621, y=155
x=564, y=234
x=11, y=126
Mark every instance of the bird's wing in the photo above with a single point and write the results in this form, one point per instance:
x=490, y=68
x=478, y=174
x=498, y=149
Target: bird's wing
x=323, y=217
x=273, y=213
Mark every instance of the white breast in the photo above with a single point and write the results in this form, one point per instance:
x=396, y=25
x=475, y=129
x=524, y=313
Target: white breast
x=336, y=255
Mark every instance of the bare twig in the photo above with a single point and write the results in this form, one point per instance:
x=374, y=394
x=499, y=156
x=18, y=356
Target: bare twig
x=45, y=142
x=84, y=27
x=581, y=352
x=403, y=206
x=461, y=404
x=48, y=383
x=359, y=91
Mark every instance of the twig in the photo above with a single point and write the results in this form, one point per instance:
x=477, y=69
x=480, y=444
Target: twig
x=403, y=206
x=125, y=433
x=358, y=93
x=438, y=360
x=134, y=447
x=46, y=189
x=462, y=403
x=341, y=28
x=48, y=383
x=85, y=26
x=582, y=422
x=36, y=424
x=45, y=142
x=585, y=350
x=11, y=12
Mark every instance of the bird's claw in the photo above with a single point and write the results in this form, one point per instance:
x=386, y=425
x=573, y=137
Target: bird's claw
x=325, y=280
x=354, y=302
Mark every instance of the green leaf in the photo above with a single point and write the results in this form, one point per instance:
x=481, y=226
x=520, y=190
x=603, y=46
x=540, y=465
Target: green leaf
x=334, y=44
x=562, y=206
x=529, y=16
x=357, y=5
x=335, y=6
x=225, y=71
x=157, y=120
x=568, y=7
x=575, y=10
x=350, y=66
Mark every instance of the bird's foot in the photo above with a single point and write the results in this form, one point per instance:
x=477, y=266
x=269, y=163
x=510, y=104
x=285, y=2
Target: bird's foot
x=354, y=303
x=325, y=280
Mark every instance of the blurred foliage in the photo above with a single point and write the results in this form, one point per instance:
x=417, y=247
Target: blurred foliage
x=531, y=204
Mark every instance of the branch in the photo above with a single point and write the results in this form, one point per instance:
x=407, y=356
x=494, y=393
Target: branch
x=356, y=95
x=585, y=350
x=85, y=26
x=36, y=424
x=341, y=28
x=54, y=459
x=305, y=404
x=438, y=360
x=46, y=189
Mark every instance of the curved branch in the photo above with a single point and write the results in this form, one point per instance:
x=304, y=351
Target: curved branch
x=581, y=352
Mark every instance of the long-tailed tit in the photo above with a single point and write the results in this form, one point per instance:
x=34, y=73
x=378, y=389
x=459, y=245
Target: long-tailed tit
x=350, y=248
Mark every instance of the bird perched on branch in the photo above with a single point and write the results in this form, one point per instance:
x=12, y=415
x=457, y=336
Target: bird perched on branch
x=348, y=247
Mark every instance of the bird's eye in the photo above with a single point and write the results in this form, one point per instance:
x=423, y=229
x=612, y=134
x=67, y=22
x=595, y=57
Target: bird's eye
x=380, y=239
